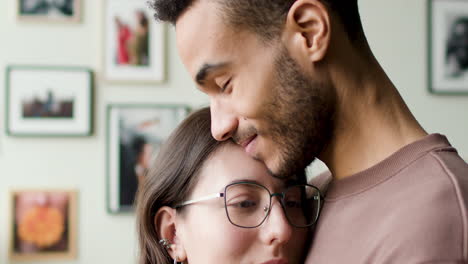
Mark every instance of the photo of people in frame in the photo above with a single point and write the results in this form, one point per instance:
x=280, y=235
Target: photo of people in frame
x=49, y=101
x=49, y=104
x=132, y=42
x=134, y=46
x=138, y=133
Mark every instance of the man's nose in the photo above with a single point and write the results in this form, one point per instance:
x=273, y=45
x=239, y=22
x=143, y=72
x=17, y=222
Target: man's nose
x=223, y=122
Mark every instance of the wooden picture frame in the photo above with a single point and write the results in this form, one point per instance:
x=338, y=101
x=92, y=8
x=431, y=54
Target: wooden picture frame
x=43, y=224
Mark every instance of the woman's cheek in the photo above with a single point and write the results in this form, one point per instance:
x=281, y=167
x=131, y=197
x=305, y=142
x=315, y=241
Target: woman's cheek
x=237, y=241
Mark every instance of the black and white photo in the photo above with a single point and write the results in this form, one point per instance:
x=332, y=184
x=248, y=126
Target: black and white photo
x=49, y=10
x=448, y=46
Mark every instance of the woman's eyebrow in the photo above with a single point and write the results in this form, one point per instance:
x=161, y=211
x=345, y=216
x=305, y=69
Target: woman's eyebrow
x=244, y=180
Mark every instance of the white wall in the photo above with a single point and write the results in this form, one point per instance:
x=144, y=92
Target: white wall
x=395, y=29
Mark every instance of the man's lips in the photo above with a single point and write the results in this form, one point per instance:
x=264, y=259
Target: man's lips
x=244, y=143
x=249, y=145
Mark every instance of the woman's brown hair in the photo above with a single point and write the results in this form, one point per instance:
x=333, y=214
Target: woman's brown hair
x=171, y=179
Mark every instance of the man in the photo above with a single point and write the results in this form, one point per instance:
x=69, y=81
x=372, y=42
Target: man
x=292, y=80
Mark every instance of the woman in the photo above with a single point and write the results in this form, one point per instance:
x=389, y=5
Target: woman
x=206, y=202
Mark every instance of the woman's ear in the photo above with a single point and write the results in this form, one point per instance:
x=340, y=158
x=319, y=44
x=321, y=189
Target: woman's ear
x=307, y=29
x=169, y=238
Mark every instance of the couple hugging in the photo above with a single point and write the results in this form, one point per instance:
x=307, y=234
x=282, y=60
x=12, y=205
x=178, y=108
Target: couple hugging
x=290, y=81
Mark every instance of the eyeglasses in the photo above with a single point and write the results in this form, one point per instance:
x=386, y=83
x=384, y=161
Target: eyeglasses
x=248, y=204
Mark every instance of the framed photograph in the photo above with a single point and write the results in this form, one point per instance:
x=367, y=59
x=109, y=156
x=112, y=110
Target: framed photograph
x=134, y=43
x=49, y=101
x=135, y=134
x=49, y=10
x=448, y=46
x=43, y=225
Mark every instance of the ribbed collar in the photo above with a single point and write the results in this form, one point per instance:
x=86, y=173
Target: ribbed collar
x=385, y=169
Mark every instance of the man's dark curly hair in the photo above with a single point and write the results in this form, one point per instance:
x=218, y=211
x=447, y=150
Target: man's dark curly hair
x=264, y=17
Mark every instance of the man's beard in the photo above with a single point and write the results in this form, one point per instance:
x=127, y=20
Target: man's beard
x=300, y=117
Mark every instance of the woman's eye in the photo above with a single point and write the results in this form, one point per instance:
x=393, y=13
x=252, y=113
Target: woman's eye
x=244, y=204
x=293, y=204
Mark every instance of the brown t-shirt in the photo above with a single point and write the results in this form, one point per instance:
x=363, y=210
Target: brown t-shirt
x=410, y=208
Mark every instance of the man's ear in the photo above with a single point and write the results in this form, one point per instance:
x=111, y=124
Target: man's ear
x=307, y=30
x=166, y=225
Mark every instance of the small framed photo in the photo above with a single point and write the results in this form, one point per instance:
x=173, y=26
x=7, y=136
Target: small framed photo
x=43, y=225
x=134, y=43
x=49, y=101
x=448, y=46
x=134, y=135
x=49, y=10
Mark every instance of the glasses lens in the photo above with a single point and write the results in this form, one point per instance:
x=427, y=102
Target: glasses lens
x=302, y=205
x=247, y=204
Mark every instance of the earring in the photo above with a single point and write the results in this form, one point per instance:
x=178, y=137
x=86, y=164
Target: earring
x=165, y=243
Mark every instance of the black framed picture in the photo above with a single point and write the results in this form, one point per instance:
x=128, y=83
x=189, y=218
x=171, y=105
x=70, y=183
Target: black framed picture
x=49, y=10
x=448, y=46
x=49, y=101
x=135, y=132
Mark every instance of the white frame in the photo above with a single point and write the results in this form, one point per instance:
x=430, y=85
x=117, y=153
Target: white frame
x=155, y=72
x=114, y=111
x=70, y=80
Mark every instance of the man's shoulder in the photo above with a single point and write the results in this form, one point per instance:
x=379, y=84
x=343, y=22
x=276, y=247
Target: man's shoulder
x=443, y=165
x=442, y=171
x=435, y=216
x=440, y=178
x=451, y=163
x=415, y=214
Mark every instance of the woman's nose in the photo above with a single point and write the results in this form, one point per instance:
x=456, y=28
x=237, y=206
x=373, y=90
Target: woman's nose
x=276, y=228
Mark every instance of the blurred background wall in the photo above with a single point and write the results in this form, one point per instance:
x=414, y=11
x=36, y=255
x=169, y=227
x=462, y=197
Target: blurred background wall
x=395, y=29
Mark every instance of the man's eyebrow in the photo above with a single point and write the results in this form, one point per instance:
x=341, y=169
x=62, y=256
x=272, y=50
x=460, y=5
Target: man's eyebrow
x=206, y=69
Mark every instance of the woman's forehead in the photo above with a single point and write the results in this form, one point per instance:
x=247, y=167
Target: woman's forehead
x=229, y=164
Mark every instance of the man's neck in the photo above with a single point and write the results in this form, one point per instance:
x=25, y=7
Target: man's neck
x=372, y=123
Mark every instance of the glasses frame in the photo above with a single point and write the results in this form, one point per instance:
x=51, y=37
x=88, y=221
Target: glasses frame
x=280, y=195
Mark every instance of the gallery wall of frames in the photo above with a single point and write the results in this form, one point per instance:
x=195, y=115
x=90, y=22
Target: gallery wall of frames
x=91, y=89
x=89, y=95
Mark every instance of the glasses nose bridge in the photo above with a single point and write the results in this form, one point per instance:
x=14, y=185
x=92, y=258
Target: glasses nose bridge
x=279, y=195
x=280, y=200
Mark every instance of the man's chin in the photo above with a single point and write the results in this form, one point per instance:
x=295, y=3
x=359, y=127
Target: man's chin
x=275, y=168
x=275, y=171
x=286, y=170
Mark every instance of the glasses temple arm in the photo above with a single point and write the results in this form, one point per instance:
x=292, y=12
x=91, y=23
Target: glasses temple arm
x=205, y=198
